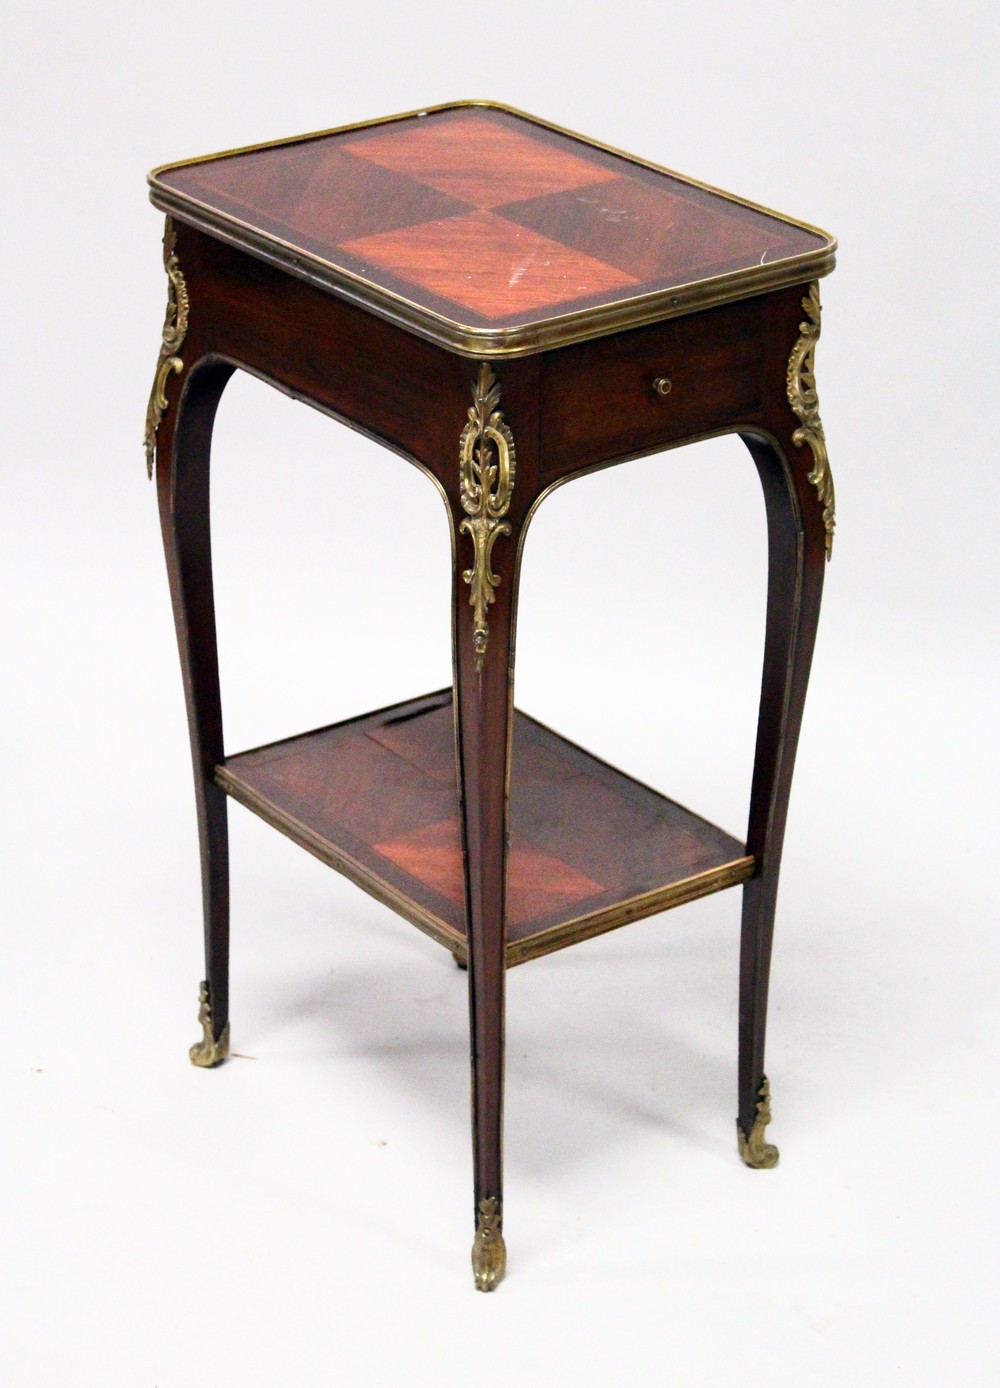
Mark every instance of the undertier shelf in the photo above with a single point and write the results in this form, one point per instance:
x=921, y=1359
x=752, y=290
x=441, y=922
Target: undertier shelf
x=590, y=848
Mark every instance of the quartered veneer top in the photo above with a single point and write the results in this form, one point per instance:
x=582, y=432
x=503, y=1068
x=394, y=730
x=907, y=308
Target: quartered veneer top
x=489, y=231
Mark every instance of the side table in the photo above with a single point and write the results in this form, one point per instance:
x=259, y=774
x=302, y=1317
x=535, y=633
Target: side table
x=508, y=306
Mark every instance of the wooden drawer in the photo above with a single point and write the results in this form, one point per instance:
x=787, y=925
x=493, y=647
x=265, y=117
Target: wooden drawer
x=599, y=401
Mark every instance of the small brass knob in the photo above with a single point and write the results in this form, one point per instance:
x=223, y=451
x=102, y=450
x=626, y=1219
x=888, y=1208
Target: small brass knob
x=662, y=385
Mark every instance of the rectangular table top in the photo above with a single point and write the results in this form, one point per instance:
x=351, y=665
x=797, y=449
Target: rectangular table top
x=489, y=231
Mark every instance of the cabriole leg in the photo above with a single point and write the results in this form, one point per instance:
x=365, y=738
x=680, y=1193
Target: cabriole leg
x=183, y=447
x=484, y=597
x=798, y=492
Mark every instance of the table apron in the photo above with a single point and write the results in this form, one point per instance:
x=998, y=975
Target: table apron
x=574, y=408
x=637, y=392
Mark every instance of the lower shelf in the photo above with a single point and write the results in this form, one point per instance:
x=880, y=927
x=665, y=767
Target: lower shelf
x=590, y=849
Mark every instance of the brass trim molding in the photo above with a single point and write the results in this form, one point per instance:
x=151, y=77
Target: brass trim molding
x=753, y=1149
x=517, y=951
x=175, y=326
x=652, y=306
x=804, y=401
x=336, y=858
x=489, y=1252
x=636, y=908
x=487, y=465
x=208, y=1052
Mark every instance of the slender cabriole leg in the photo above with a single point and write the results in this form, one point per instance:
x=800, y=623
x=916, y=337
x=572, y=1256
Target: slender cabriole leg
x=484, y=605
x=798, y=493
x=183, y=449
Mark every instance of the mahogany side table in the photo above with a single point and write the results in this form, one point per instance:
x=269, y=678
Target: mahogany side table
x=508, y=306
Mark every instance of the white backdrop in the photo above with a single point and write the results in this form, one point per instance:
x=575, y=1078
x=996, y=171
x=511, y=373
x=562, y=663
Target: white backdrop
x=305, y=1217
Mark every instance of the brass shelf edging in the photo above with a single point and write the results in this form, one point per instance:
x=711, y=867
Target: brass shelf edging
x=634, y=909
x=299, y=833
x=547, y=941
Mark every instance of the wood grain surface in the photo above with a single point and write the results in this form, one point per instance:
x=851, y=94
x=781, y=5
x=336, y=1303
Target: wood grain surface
x=381, y=791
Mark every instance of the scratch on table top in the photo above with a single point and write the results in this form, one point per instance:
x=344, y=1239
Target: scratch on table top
x=521, y=269
x=611, y=214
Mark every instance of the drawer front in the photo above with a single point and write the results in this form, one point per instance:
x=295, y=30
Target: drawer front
x=643, y=389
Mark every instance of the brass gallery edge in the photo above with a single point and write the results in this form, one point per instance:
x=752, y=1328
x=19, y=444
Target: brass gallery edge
x=804, y=401
x=175, y=326
x=487, y=463
x=652, y=306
